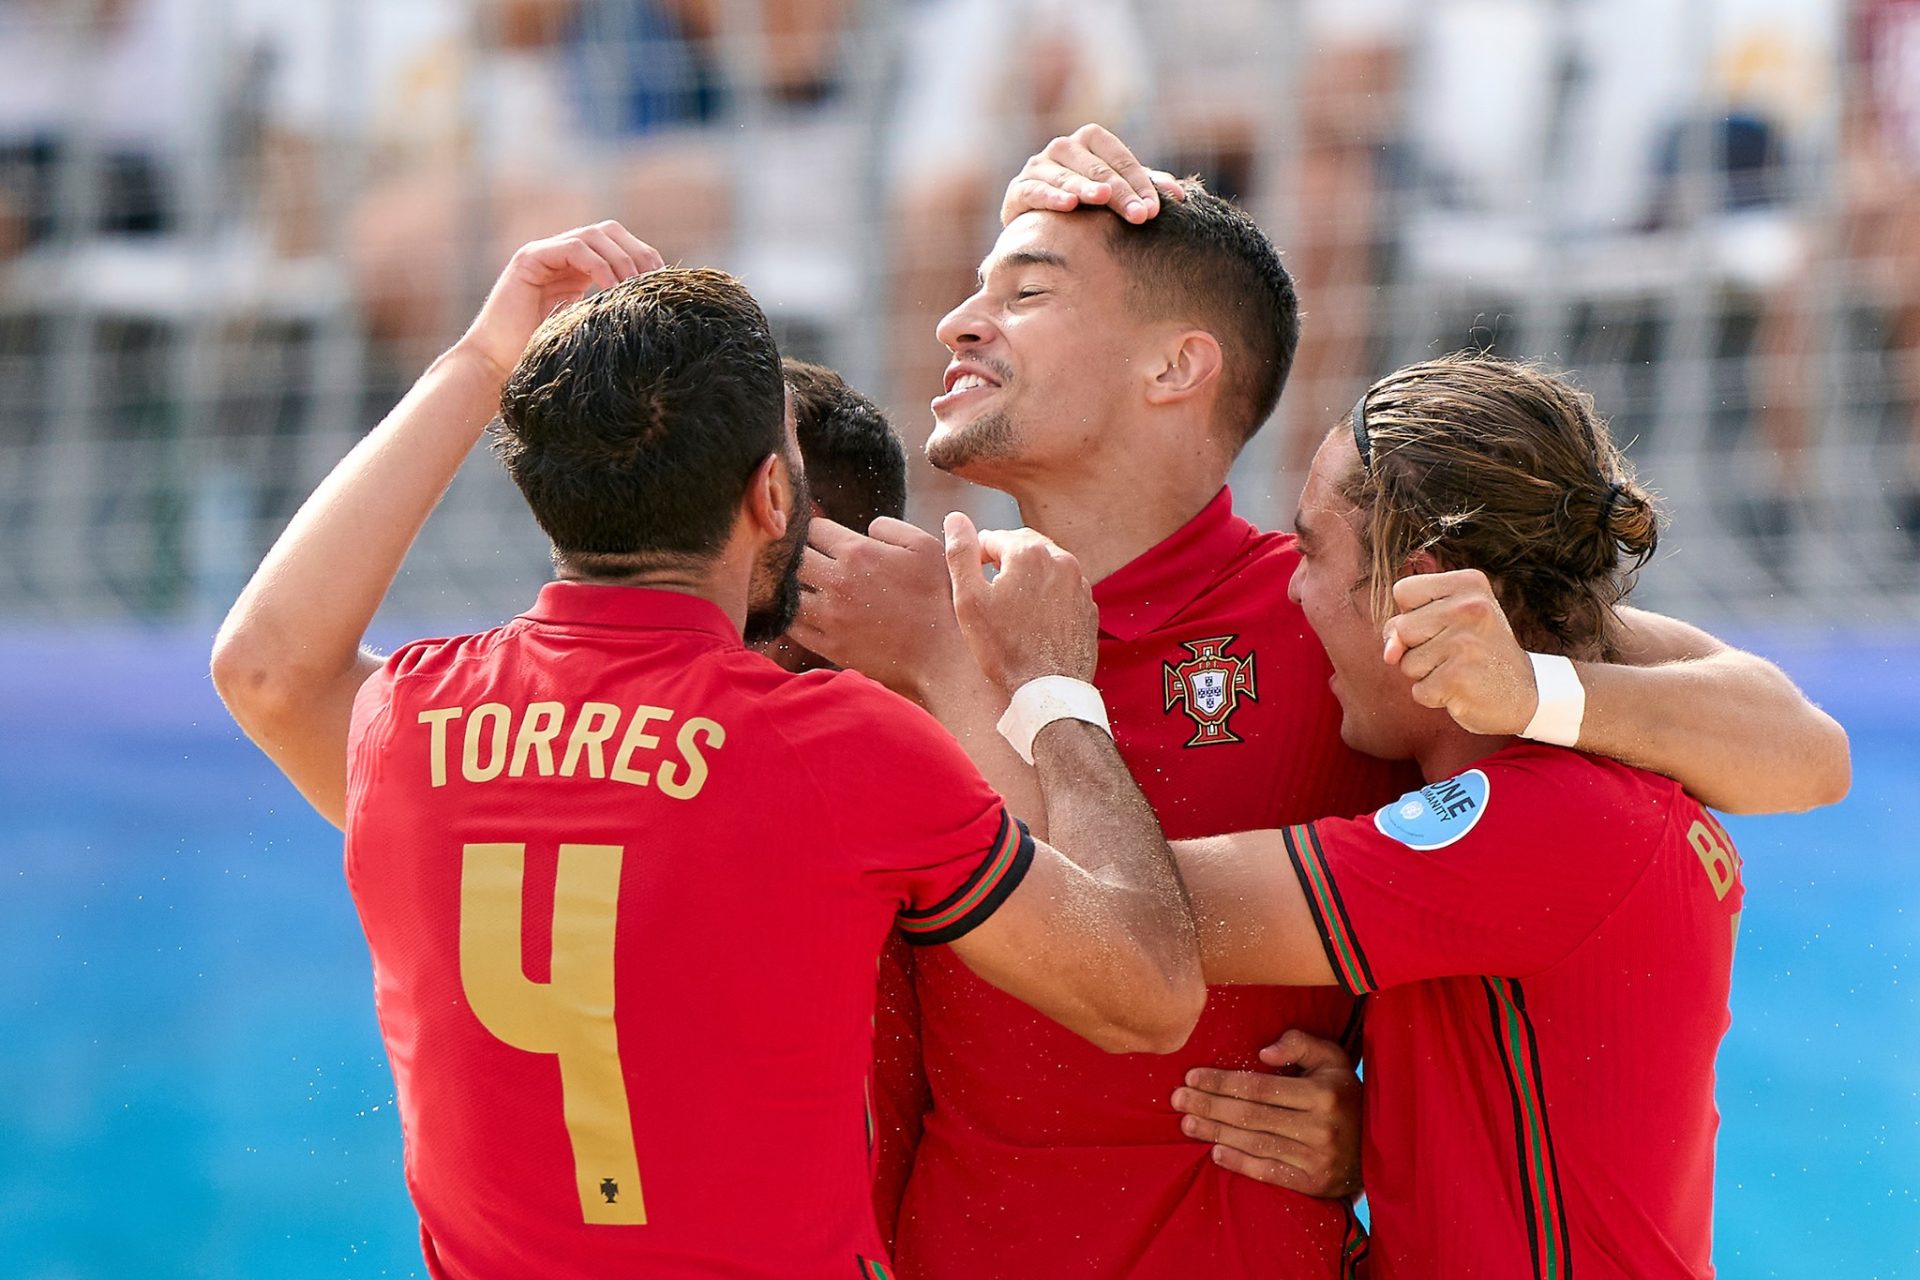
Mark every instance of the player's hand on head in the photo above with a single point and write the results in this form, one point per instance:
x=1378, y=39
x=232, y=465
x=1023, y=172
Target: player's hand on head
x=1035, y=618
x=1451, y=639
x=879, y=603
x=547, y=274
x=1299, y=1129
x=1088, y=167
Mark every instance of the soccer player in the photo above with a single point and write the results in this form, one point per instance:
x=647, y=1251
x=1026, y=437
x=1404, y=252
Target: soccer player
x=1547, y=936
x=856, y=467
x=1105, y=374
x=603, y=850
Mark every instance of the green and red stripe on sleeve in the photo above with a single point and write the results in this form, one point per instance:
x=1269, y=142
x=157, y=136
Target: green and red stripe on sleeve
x=1329, y=912
x=999, y=873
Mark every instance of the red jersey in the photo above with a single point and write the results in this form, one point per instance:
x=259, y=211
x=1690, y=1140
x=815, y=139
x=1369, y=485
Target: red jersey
x=619, y=874
x=1551, y=937
x=1043, y=1155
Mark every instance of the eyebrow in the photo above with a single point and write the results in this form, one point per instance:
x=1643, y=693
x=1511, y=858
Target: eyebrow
x=1301, y=533
x=1019, y=258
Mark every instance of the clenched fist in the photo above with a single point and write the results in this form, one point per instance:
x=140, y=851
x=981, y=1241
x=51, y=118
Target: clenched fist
x=1452, y=639
x=1036, y=618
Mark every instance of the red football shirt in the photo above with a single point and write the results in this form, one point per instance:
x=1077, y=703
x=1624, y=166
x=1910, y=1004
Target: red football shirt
x=1041, y=1154
x=1551, y=938
x=625, y=884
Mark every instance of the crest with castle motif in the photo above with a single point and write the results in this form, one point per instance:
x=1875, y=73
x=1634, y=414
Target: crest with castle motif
x=1209, y=686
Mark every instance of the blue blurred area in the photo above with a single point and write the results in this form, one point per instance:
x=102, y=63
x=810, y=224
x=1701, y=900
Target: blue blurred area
x=193, y=1084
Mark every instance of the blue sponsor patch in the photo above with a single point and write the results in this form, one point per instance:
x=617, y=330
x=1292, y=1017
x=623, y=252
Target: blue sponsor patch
x=1436, y=816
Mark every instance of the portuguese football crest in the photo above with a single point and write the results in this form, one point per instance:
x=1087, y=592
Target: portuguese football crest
x=1210, y=684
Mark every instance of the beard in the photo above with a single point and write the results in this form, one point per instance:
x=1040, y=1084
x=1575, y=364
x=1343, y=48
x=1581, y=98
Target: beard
x=775, y=595
x=989, y=437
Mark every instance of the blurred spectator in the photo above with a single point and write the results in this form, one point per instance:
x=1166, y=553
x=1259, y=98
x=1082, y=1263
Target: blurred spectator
x=1875, y=248
x=490, y=125
x=102, y=85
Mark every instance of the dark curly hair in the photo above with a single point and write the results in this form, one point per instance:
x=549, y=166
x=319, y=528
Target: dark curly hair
x=636, y=417
x=856, y=465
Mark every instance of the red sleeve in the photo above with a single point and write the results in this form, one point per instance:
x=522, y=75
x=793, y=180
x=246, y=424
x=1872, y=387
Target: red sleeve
x=1502, y=870
x=915, y=814
x=901, y=1098
x=368, y=729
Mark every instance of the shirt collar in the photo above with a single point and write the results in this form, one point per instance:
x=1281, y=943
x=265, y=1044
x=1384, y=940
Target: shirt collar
x=635, y=608
x=1142, y=595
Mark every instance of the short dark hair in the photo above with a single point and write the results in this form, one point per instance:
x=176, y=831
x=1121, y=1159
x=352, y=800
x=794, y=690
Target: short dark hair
x=636, y=417
x=1205, y=259
x=855, y=462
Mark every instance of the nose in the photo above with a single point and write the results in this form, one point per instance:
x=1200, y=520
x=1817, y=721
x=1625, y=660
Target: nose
x=965, y=326
x=1293, y=583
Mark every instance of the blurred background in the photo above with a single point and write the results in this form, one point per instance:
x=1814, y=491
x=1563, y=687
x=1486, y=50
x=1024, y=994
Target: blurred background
x=233, y=231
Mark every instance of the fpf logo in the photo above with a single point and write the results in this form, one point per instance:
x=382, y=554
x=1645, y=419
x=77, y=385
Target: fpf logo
x=1209, y=684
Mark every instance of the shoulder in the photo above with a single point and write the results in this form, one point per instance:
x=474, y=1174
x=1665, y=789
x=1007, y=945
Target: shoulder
x=438, y=655
x=851, y=714
x=1556, y=798
x=426, y=662
x=1249, y=593
x=1265, y=555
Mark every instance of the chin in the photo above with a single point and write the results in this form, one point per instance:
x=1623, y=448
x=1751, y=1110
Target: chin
x=960, y=447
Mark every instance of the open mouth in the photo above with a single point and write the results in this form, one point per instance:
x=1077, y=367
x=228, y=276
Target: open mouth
x=964, y=381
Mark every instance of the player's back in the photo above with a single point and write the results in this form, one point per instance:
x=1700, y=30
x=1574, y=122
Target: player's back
x=624, y=886
x=1552, y=988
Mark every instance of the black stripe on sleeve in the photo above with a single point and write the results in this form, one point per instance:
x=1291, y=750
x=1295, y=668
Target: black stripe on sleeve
x=991, y=883
x=1340, y=904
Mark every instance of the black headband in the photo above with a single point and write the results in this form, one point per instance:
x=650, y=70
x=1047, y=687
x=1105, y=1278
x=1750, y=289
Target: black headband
x=1360, y=439
x=1606, y=508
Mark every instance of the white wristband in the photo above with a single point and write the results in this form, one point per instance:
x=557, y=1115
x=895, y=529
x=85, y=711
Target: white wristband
x=1038, y=703
x=1563, y=701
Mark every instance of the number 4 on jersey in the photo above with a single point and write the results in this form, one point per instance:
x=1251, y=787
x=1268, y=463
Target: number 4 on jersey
x=569, y=1016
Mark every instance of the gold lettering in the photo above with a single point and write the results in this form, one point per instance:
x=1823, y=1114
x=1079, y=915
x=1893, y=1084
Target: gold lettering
x=495, y=714
x=696, y=763
x=436, y=722
x=570, y=1015
x=1718, y=858
x=539, y=726
x=636, y=739
x=590, y=733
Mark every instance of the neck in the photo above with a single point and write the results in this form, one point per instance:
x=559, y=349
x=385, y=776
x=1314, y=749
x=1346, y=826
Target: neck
x=1453, y=750
x=710, y=582
x=1108, y=516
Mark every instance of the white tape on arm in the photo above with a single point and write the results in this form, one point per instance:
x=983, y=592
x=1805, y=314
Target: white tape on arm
x=1563, y=701
x=1038, y=703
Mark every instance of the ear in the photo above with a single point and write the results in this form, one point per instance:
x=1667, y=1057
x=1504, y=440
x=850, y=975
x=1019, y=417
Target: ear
x=1422, y=562
x=768, y=504
x=1188, y=368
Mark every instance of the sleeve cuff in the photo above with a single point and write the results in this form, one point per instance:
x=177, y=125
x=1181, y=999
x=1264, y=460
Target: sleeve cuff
x=1329, y=912
x=997, y=876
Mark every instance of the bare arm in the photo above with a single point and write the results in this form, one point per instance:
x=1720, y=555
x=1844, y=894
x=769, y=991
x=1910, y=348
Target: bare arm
x=1254, y=923
x=1728, y=726
x=1098, y=935
x=288, y=660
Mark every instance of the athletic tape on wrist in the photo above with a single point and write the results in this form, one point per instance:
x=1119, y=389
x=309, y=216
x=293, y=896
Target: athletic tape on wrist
x=1038, y=703
x=1563, y=701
